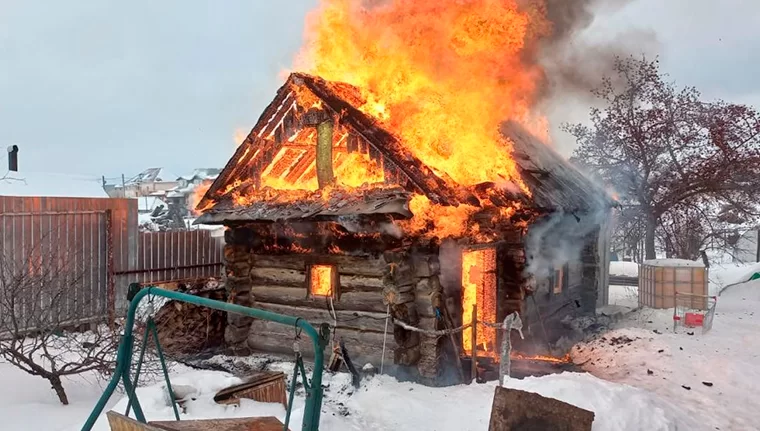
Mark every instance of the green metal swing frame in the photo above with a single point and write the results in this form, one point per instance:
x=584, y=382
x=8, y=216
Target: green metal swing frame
x=314, y=391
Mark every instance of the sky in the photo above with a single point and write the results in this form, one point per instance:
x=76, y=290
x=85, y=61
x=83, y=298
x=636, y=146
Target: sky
x=102, y=87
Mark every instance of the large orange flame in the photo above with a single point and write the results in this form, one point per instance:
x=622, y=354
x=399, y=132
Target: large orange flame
x=442, y=74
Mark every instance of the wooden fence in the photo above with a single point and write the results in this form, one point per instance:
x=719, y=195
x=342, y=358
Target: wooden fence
x=174, y=256
x=93, y=247
x=56, y=257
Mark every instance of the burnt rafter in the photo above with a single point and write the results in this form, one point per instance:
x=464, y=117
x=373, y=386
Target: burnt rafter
x=382, y=141
x=283, y=117
x=304, y=101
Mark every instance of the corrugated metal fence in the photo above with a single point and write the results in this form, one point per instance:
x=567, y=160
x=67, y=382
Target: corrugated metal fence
x=77, y=257
x=174, y=256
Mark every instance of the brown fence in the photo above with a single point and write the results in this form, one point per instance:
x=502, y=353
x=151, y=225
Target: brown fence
x=56, y=256
x=174, y=256
x=93, y=247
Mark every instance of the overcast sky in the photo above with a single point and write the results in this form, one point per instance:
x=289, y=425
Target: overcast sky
x=109, y=87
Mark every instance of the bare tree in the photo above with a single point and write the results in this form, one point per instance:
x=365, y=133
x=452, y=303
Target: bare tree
x=46, y=294
x=675, y=160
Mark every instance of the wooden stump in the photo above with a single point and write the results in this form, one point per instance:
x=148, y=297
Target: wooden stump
x=515, y=410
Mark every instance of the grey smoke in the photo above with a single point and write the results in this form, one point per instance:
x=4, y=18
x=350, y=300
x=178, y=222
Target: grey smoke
x=560, y=238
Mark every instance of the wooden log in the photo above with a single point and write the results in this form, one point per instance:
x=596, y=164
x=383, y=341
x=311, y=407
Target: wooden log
x=363, y=346
x=474, y=346
x=429, y=354
x=347, y=265
x=283, y=295
x=359, y=320
x=278, y=276
x=429, y=285
x=325, y=176
x=425, y=306
x=360, y=283
x=426, y=265
x=393, y=296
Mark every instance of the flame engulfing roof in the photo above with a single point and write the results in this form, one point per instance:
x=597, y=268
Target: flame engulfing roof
x=320, y=205
x=273, y=148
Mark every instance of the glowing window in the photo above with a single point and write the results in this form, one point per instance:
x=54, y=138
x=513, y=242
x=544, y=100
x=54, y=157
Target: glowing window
x=323, y=281
x=559, y=279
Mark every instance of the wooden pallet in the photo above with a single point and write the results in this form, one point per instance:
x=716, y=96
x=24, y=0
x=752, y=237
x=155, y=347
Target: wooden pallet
x=119, y=422
x=265, y=387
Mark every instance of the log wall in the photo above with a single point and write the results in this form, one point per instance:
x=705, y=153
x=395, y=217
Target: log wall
x=403, y=283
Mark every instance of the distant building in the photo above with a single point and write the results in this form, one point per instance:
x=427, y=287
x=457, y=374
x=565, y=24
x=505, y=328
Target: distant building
x=182, y=196
x=152, y=181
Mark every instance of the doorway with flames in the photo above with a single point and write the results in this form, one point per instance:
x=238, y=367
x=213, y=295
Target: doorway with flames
x=494, y=285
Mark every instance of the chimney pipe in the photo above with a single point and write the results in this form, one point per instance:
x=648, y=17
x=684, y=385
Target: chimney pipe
x=13, y=158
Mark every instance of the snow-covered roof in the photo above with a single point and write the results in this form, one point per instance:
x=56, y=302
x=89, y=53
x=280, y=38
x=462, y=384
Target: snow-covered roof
x=675, y=262
x=151, y=175
x=202, y=173
x=52, y=184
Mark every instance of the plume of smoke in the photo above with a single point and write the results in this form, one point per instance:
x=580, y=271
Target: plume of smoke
x=559, y=239
x=574, y=63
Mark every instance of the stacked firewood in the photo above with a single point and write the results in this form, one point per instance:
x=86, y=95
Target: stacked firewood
x=413, y=291
x=186, y=329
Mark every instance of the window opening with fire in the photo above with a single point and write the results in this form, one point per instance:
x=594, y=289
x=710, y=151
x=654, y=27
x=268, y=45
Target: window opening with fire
x=323, y=281
x=558, y=280
x=479, y=288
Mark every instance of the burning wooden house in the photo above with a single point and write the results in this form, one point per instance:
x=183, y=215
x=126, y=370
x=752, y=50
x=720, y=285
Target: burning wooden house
x=330, y=216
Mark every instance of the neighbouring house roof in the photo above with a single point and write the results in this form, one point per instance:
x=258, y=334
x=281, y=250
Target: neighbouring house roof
x=52, y=185
x=202, y=173
x=151, y=175
x=555, y=184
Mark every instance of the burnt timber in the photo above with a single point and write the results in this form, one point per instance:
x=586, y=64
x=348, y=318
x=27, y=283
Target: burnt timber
x=274, y=240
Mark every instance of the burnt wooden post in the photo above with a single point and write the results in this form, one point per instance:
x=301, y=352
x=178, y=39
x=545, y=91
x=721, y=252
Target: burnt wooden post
x=238, y=263
x=474, y=344
x=323, y=121
x=325, y=153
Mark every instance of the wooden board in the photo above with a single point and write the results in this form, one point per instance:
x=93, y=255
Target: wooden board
x=515, y=410
x=238, y=424
x=264, y=387
x=119, y=422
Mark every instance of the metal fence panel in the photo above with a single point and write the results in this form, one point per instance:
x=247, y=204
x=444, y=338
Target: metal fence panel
x=163, y=257
x=93, y=244
x=53, y=269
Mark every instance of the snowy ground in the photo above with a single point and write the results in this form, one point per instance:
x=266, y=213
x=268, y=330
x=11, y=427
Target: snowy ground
x=637, y=380
x=405, y=406
x=711, y=376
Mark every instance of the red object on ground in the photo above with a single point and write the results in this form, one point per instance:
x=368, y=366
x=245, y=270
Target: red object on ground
x=694, y=319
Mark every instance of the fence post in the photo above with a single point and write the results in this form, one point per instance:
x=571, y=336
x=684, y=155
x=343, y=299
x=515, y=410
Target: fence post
x=110, y=282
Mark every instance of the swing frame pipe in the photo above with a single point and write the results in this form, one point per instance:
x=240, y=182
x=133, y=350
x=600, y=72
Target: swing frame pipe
x=319, y=338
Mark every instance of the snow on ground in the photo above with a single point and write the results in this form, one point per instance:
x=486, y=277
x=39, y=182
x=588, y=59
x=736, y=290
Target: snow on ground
x=646, y=353
x=404, y=406
x=624, y=269
x=625, y=296
x=723, y=276
x=683, y=263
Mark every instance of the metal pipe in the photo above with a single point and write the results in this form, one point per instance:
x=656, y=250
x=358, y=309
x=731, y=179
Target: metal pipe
x=312, y=409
